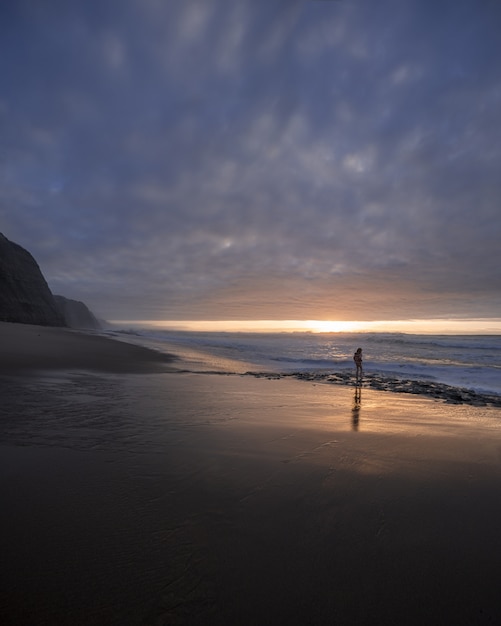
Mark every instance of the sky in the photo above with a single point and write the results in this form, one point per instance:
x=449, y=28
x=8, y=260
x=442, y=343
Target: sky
x=256, y=159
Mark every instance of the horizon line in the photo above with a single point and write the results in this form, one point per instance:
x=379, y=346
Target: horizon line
x=477, y=326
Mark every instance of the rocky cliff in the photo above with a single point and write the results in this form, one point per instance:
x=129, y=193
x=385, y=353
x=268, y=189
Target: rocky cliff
x=76, y=314
x=25, y=296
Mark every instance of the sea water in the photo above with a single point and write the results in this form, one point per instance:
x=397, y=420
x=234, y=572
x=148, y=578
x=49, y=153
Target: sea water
x=467, y=361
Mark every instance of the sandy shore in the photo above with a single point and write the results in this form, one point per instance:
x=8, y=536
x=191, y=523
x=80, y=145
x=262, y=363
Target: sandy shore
x=200, y=499
x=24, y=348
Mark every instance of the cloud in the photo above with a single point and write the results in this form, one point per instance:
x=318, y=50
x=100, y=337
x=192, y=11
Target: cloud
x=279, y=159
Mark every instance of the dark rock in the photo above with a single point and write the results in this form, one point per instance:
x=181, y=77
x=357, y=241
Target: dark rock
x=76, y=314
x=25, y=296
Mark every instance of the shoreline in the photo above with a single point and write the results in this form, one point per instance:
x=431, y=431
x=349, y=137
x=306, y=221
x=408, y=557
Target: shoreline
x=433, y=390
x=28, y=349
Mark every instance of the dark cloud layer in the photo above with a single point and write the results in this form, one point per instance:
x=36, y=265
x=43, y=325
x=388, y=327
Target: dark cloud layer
x=256, y=158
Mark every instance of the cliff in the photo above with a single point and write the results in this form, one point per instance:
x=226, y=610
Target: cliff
x=76, y=314
x=25, y=296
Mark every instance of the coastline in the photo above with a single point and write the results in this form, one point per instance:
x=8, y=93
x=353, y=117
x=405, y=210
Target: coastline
x=29, y=349
x=193, y=359
x=194, y=498
x=434, y=390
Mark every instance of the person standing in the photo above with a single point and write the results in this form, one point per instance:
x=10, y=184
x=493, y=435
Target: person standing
x=357, y=357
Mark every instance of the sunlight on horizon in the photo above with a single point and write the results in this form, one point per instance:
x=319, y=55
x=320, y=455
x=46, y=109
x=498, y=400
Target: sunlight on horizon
x=437, y=326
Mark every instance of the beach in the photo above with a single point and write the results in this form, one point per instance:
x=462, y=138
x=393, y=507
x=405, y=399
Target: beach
x=136, y=492
x=28, y=348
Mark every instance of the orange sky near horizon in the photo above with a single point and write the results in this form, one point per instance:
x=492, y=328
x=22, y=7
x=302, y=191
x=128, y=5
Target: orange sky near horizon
x=489, y=326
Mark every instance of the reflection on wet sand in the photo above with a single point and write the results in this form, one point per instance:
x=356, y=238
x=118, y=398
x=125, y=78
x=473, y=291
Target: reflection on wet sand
x=357, y=404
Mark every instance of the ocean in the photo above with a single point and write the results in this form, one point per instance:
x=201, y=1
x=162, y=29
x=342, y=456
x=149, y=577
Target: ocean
x=463, y=361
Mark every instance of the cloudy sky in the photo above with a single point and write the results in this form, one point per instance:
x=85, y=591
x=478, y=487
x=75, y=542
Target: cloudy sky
x=256, y=159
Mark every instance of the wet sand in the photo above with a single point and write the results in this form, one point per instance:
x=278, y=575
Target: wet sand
x=175, y=498
x=26, y=348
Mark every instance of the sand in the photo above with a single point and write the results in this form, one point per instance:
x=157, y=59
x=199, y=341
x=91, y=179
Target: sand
x=25, y=348
x=176, y=498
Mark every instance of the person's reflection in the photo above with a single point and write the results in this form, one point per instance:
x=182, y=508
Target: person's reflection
x=357, y=403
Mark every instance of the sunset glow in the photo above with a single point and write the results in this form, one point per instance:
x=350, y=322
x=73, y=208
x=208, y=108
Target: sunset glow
x=437, y=326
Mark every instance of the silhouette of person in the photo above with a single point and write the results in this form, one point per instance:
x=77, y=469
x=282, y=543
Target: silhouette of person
x=357, y=357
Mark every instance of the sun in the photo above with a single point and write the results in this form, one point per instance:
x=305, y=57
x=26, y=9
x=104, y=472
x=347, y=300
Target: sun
x=328, y=326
